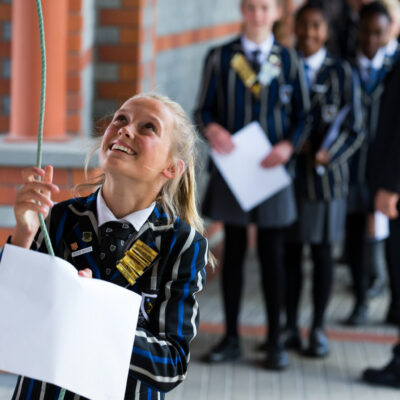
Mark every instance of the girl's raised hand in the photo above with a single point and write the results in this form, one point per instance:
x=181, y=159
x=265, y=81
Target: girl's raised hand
x=26, y=206
x=219, y=138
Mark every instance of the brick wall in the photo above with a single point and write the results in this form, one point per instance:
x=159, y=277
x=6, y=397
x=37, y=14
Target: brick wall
x=10, y=179
x=5, y=54
x=79, y=58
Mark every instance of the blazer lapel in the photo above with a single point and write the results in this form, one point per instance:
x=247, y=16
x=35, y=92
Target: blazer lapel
x=82, y=241
x=152, y=229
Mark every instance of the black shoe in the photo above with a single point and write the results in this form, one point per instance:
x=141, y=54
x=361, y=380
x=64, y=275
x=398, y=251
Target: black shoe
x=318, y=345
x=262, y=347
x=392, y=317
x=228, y=349
x=358, y=317
x=277, y=358
x=292, y=339
x=387, y=376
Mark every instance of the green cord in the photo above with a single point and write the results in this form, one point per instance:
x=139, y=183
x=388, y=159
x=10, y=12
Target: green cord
x=40, y=133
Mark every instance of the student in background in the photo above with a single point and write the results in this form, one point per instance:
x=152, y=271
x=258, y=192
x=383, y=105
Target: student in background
x=372, y=70
x=385, y=178
x=277, y=98
x=321, y=173
x=393, y=46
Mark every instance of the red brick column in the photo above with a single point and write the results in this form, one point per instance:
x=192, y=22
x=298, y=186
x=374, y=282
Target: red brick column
x=25, y=72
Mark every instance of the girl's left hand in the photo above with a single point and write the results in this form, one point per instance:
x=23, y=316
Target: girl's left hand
x=280, y=154
x=322, y=157
x=86, y=273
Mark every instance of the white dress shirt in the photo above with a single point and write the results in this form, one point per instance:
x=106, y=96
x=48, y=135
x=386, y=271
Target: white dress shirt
x=365, y=63
x=137, y=218
x=250, y=47
x=314, y=64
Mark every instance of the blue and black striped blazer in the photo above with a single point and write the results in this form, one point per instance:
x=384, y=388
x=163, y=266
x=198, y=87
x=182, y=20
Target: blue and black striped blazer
x=281, y=109
x=160, y=354
x=371, y=104
x=336, y=86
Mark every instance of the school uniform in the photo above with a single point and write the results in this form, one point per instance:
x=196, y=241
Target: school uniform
x=169, y=314
x=280, y=107
x=372, y=75
x=384, y=173
x=321, y=192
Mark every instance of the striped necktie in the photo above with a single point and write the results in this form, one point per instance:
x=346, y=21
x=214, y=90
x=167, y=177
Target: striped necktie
x=113, y=236
x=256, y=60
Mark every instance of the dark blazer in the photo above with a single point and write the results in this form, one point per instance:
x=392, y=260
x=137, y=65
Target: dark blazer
x=336, y=86
x=160, y=354
x=384, y=169
x=281, y=110
x=360, y=198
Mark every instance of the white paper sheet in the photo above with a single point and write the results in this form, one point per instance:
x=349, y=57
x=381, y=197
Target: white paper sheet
x=61, y=328
x=381, y=226
x=249, y=182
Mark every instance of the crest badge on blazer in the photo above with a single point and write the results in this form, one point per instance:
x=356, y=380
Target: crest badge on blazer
x=329, y=113
x=285, y=93
x=148, y=299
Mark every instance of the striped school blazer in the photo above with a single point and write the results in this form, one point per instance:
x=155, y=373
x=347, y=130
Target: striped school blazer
x=160, y=354
x=370, y=98
x=336, y=86
x=281, y=109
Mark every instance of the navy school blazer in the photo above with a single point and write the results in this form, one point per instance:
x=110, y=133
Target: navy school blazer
x=160, y=354
x=371, y=98
x=336, y=86
x=281, y=109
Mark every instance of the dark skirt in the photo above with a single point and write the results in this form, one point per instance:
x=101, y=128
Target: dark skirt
x=318, y=221
x=220, y=204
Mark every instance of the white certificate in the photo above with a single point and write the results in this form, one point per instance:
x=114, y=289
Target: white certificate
x=58, y=327
x=250, y=183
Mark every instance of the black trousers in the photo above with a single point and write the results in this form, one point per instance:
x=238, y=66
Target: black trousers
x=270, y=254
x=356, y=226
x=393, y=265
x=322, y=281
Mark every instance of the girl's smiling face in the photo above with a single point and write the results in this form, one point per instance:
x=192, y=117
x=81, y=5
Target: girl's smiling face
x=137, y=143
x=311, y=31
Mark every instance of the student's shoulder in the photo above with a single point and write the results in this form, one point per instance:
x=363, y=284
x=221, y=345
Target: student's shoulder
x=185, y=233
x=76, y=204
x=231, y=45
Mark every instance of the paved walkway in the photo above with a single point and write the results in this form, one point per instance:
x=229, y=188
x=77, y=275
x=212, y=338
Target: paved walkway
x=334, y=378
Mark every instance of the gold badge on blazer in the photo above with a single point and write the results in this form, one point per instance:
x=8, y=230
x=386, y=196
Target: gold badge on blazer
x=135, y=261
x=74, y=246
x=246, y=73
x=86, y=237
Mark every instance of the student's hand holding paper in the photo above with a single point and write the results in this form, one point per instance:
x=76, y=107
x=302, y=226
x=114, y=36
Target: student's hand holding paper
x=86, y=273
x=322, y=157
x=279, y=155
x=26, y=207
x=386, y=203
x=219, y=138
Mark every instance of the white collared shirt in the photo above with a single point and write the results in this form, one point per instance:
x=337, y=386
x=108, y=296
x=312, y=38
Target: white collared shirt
x=365, y=63
x=391, y=47
x=137, y=218
x=314, y=63
x=265, y=48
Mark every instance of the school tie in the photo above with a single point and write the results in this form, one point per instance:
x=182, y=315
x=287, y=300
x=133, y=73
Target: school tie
x=372, y=78
x=307, y=73
x=113, y=236
x=256, y=61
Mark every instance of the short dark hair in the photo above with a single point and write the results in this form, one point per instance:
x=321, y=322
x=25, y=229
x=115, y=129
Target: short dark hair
x=312, y=6
x=374, y=8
